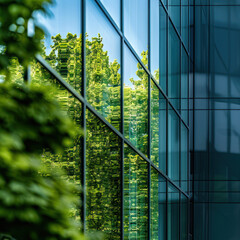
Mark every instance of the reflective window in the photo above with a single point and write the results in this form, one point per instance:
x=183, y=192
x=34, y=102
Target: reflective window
x=158, y=128
x=173, y=145
x=185, y=23
x=135, y=102
x=113, y=7
x=184, y=86
x=136, y=24
x=184, y=158
x=158, y=206
x=102, y=65
x=135, y=196
x=174, y=9
x=184, y=218
x=163, y=49
x=70, y=160
x=103, y=171
x=155, y=38
x=173, y=67
x=63, y=41
x=173, y=213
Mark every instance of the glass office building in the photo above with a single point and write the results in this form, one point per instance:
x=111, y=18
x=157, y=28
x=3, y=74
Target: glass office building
x=122, y=72
x=154, y=85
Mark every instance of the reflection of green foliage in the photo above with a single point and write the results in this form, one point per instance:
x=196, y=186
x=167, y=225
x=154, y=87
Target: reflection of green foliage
x=103, y=152
x=14, y=39
x=34, y=202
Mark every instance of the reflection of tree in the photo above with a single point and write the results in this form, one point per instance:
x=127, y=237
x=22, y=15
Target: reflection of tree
x=103, y=147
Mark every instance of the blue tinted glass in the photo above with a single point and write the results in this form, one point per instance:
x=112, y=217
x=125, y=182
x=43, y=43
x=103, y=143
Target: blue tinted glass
x=184, y=158
x=155, y=39
x=163, y=49
x=173, y=213
x=184, y=218
x=185, y=23
x=136, y=24
x=173, y=67
x=173, y=145
x=184, y=86
x=174, y=9
x=113, y=7
x=158, y=206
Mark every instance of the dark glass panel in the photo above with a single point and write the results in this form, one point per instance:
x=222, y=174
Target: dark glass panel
x=158, y=128
x=184, y=218
x=184, y=158
x=135, y=102
x=103, y=184
x=173, y=145
x=63, y=41
x=113, y=7
x=135, y=196
x=184, y=86
x=173, y=67
x=173, y=213
x=136, y=25
x=158, y=206
x=174, y=10
x=185, y=23
x=102, y=65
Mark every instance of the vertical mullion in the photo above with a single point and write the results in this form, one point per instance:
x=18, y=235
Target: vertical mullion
x=149, y=120
x=122, y=119
x=83, y=20
x=167, y=210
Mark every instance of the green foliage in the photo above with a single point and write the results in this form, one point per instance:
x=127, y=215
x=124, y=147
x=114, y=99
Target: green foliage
x=34, y=202
x=15, y=42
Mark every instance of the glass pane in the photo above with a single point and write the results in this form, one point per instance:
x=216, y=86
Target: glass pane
x=136, y=25
x=184, y=158
x=173, y=67
x=173, y=213
x=184, y=86
x=173, y=145
x=163, y=49
x=103, y=179
x=135, y=102
x=158, y=206
x=184, y=218
x=103, y=65
x=185, y=23
x=155, y=39
x=158, y=128
x=174, y=9
x=135, y=196
x=70, y=160
x=63, y=41
x=113, y=7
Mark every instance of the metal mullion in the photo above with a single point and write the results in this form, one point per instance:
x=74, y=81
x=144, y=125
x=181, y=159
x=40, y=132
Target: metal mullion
x=122, y=120
x=180, y=211
x=167, y=210
x=83, y=21
x=149, y=120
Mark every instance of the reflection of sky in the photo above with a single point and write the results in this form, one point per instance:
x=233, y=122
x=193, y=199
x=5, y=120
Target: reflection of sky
x=136, y=24
x=65, y=18
x=97, y=23
x=130, y=67
x=113, y=7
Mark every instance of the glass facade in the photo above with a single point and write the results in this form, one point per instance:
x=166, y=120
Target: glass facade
x=122, y=74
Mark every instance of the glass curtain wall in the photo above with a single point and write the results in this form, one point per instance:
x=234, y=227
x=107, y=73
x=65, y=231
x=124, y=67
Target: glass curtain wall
x=121, y=73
